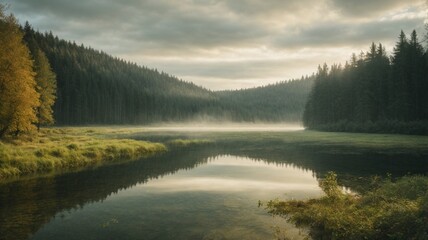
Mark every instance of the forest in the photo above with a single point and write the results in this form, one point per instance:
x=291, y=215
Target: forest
x=373, y=92
x=68, y=84
x=96, y=88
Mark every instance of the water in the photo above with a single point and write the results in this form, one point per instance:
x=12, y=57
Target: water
x=200, y=193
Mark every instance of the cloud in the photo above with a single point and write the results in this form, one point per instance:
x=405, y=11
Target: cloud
x=235, y=43
x=370, y=8
x=146, y=24
x=347, y=34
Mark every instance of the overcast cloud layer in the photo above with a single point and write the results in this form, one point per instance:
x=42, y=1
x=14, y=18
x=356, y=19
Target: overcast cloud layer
x=227, y=44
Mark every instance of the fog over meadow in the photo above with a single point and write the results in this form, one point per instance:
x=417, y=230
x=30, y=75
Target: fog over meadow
x=223, y=127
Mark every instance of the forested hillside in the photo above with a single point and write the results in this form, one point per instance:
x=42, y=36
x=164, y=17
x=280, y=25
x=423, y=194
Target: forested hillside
x=374, y=92
x=96, y=88
x=284, y=101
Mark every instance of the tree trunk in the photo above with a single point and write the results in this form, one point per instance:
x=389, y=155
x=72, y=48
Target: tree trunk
x=3, y=132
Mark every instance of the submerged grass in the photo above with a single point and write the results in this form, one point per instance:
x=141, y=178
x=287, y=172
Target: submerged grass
x=68, y=148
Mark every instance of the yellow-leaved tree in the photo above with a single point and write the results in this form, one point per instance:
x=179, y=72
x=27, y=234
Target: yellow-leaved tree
x=18, y=96
x=46, y=87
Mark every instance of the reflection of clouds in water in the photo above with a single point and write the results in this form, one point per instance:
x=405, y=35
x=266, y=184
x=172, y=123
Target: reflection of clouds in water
x=226, y=185
x=237, y=174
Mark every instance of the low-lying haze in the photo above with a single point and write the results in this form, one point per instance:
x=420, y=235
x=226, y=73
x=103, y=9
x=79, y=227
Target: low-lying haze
x=222, y=44
x=225, y=127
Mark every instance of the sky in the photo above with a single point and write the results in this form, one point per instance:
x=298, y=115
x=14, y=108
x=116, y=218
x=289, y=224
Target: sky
x=227, y=44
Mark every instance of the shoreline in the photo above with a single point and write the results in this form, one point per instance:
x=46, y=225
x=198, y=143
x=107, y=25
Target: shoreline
x=60, y=150
x=64, y=149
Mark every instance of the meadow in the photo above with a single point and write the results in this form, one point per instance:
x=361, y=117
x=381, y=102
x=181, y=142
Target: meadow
x=62, y=149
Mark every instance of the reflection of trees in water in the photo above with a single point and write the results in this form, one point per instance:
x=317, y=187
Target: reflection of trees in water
x=354, y=170
x=26, y=206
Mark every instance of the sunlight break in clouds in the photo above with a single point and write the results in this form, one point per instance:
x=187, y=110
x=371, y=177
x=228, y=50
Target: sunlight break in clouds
x=222, y=44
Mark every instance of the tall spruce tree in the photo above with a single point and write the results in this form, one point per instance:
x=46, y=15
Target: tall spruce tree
x=416, y=72
x=398, y=97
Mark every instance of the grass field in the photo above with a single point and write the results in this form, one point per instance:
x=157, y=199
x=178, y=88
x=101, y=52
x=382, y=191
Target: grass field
x=68, y=148
x=327, y=142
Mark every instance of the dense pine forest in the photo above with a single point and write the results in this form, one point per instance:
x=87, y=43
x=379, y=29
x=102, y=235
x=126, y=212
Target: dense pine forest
x=374, y=92
x=96, y=88
x=283, y=101
x=69, y=84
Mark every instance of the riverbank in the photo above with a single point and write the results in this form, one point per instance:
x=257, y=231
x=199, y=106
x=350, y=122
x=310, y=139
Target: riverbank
x=58, y=149
x=390, y=210
x=71, y=148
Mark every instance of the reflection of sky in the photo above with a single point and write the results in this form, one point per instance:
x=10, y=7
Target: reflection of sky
x=215, y=200
x=230, y=174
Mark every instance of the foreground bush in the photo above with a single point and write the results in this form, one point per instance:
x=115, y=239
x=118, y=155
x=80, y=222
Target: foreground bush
x=392, y=210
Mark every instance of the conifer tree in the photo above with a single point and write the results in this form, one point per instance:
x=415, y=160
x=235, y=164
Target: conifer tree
x=399, y=103
x=416, y=72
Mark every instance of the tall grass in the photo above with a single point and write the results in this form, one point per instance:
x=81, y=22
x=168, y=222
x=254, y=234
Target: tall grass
x=391, y=210
x=58, y=149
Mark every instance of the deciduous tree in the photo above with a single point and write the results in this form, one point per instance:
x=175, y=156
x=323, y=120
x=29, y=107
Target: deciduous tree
x=46, y=87
x=18, y=96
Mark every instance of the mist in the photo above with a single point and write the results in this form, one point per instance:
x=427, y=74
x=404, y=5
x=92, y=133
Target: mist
x=220, y=126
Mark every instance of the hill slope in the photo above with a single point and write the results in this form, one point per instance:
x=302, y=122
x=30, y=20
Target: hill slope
x=283, y=101
x=96, y=88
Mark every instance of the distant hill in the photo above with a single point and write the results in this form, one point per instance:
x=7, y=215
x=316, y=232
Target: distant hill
x=283, y=101
x=96, y=88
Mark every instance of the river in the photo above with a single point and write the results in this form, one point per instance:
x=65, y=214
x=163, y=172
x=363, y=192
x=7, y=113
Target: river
x=200, y=192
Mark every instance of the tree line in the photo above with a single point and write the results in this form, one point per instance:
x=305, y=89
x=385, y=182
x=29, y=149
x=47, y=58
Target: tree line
x=27, y=83
x=96, y=88
x=282, y=101
x=46, y=80
x=373, y=92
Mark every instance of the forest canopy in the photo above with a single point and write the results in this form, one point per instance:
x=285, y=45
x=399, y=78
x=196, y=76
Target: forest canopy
x=96, y=88
x=373, y=92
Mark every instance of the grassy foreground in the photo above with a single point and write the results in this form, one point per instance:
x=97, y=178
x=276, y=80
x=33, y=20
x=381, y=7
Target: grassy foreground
x=391, y=210
x=68, y=148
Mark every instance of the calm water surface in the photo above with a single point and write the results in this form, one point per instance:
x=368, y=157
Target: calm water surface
x=201, y=193
x=214, y=200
